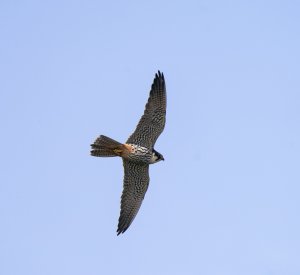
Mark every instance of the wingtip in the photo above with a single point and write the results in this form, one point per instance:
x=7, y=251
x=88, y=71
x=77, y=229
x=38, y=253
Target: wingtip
x=159, y=74
x=121, y=231
x=158, y=84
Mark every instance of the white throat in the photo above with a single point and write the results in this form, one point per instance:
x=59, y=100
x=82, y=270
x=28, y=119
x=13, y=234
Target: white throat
x=153, y=158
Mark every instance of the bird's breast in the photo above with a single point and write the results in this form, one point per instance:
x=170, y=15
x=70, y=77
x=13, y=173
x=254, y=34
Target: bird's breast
x=138, y=153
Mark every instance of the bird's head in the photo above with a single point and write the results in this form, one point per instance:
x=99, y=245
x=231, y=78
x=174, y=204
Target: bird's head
x=156, y=157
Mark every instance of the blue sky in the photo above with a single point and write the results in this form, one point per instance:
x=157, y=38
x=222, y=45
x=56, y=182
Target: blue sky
x=225, y=201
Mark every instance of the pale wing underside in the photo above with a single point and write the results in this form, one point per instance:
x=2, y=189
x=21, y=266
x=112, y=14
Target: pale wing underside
x=136, y=181
x=153, y=121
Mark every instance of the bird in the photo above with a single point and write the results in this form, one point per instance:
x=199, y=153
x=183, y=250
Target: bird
x=137, y=152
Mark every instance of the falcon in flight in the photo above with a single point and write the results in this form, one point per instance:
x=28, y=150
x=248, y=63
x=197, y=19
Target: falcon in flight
x=138, y=152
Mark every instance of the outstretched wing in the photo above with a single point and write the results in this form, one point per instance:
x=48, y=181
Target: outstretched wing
x=152, y=123
x=136, y=181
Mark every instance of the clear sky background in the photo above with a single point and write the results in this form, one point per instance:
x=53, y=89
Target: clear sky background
x=225, y=201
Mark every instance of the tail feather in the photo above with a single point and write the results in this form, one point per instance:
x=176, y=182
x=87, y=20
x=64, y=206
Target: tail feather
x=105, y=147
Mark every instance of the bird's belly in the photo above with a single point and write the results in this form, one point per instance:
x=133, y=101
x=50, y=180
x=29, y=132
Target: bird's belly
x=140, y=154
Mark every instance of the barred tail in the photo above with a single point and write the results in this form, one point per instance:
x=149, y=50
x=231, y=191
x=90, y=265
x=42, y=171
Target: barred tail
x=106, y=147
